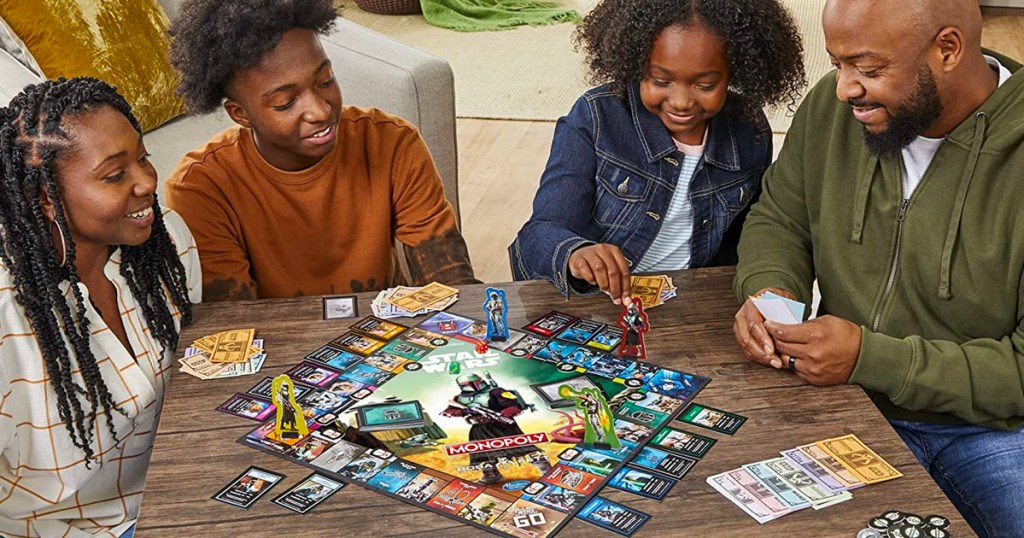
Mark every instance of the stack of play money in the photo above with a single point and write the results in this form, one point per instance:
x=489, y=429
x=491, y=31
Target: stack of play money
x=897, y=524
x=817, y=475
x=652, y=290
x=225, y=354
x=406, y=301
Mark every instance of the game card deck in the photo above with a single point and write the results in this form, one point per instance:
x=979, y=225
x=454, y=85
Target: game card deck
x=674, y=465
x=307, y=494
x=613, y=516
x=455, y=496
x=552, y=323
x=390, y=416
x=246, y=406
x=683, y=442
x=641, y=483
x=248, y=487
x=712, y=419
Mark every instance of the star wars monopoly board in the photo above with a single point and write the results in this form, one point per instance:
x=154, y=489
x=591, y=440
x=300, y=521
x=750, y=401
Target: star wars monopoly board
x=487, y=438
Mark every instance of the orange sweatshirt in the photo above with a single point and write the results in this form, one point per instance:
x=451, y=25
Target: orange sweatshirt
x=324, y=230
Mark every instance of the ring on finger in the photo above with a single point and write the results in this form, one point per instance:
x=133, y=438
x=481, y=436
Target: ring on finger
x=792, y=364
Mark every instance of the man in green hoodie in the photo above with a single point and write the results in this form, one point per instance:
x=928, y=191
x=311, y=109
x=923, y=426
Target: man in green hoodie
x=898, y=188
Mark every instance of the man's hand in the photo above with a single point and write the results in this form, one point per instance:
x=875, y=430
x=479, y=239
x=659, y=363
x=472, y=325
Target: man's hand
x=749, y=330
x=826, y=348
x=603, y=265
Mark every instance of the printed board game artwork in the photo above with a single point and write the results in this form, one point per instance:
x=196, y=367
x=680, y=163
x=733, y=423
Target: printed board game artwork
x=419, y=414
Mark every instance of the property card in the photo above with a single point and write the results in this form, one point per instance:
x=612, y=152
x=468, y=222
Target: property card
x=307, y=494
x=566, y=477
x=779, y=309
x=641, y=483
x=674, y=465
x=248, y=487
x=683, y=442
x=379, y=328
x=713, y=419
x=246, y=406
x=358, y=343
x=613, y=516
x=552, y=323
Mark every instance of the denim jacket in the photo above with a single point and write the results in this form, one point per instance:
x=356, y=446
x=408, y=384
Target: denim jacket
x=611, y=174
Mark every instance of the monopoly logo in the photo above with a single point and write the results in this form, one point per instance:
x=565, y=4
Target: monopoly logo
x=498, y=443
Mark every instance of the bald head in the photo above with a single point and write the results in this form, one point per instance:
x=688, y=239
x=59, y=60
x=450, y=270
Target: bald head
x=911, y=21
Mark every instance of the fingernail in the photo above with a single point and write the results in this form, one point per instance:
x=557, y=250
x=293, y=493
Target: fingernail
x=776, y=363
x=617, y=301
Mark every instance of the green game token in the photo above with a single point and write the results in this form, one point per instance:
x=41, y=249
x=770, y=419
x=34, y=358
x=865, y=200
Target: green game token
x=454, y=368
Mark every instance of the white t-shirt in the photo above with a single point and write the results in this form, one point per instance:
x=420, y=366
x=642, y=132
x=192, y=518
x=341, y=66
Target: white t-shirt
x=670, y=250
x=45, y=488
x=918, y=155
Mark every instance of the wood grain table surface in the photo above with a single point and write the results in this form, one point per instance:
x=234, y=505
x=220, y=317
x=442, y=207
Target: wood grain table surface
x=196, y=453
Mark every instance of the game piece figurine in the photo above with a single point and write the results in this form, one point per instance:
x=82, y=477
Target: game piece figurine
x=496, y=308
x=290, y=422
x=491, y=412
x=597, y=416
x=633, y=321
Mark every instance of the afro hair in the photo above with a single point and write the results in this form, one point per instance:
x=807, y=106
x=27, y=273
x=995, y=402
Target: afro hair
x=214, y=39
x=763, y=43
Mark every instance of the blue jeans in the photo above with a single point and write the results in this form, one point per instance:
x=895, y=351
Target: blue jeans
x=981, y=470
x=129, y=533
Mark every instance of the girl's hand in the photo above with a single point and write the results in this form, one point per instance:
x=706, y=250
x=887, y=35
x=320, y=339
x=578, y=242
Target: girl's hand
x=604, y=265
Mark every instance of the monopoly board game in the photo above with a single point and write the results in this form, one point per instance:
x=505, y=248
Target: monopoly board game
x=422, y=415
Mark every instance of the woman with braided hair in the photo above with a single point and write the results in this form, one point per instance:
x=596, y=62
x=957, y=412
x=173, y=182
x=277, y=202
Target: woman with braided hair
x=96, y=280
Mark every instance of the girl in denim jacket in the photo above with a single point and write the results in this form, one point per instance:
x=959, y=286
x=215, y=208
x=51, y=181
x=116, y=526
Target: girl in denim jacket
x=655, y=170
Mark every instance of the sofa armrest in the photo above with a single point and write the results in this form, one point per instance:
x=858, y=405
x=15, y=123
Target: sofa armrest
x=376, y=71
x=13, y=77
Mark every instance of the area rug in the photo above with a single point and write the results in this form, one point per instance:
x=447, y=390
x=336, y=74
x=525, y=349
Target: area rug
x=535, y=73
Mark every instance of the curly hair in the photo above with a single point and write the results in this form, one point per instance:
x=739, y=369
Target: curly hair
x=762, y=42
x=214, y=39
x=32, y=139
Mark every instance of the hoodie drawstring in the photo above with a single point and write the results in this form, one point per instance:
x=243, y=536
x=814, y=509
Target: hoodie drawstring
x=981, y=120
x=861, y=203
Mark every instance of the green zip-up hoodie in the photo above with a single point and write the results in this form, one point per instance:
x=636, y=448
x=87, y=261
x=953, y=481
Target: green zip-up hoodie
x=936, y=283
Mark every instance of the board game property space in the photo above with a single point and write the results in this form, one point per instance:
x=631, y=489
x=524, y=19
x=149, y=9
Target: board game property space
x=422, y=415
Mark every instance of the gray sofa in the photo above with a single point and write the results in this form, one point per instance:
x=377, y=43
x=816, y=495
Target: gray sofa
x=372, y=69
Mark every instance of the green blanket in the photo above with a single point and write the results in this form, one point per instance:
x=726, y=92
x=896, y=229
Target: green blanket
x=481, y=15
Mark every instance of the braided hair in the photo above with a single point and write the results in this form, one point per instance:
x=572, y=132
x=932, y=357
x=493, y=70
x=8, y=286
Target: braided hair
x=31, y=140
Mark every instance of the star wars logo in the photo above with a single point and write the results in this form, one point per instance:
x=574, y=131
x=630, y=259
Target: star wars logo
x=470, y=360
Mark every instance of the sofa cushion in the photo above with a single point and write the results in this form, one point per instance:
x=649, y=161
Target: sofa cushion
x=13, y=77
x=121, y=42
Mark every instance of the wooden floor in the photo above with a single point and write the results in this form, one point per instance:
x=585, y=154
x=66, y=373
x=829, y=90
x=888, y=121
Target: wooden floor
x=500, y=164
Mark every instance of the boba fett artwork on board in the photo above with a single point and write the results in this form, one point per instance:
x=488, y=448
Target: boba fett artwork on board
x=491, y=412
x=482, y=418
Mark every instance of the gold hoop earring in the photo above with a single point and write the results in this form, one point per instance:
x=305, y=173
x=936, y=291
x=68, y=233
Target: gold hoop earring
x=63, y=245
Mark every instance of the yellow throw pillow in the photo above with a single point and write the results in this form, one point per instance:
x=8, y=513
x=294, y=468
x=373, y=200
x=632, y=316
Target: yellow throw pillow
x=123, y=42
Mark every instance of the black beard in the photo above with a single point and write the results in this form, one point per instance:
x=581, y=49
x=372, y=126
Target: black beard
x=909, y=118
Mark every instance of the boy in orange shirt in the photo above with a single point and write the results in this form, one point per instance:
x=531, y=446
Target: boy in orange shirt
x=304, y=196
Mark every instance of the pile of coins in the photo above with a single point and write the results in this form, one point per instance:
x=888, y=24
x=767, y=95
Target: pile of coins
x=896, y=524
